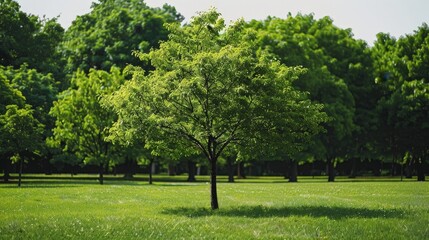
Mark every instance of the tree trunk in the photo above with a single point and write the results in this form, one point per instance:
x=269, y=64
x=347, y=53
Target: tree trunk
x=293, y=171
x=331, y=170
x=409, y=169
x=171, y=170
x=377, y=168
x=130, y=167
x=230, y=170
x=20, y=171
x=286, y=170
x=213, y=188
x=420, y=171
x=150, y=171
x=353, y=169
x=101, y=177
x=6, y=169
x=191, y=171
x=240, y=170
x=393, y=167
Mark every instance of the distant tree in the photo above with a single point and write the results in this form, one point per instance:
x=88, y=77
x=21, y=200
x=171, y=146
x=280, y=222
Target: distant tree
x=25, y=86
x=20, y=134
x=210, y=89
x=401, y=68
x=8, y=96
x=27, y=39
x=336, y=68
x=82, y=125
x=107, y=35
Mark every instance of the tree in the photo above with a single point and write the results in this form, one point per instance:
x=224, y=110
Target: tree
x=22, y=87
x=39, y=91
x=27, y=39
x=333, y=60
x=210, y=89
x=20, y=134
x=401, y=68
x=82, y=125
x=107, y=35
x=8, y=96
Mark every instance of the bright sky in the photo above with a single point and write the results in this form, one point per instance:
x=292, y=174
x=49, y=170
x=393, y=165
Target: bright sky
x=365, y=17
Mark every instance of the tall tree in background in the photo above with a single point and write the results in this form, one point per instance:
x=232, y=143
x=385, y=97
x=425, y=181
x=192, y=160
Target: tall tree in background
x=337, y=76
x=39, y=91
x=24, y=38
x=81, y=124
x=107, y=35
x=401, y=68
x=8, y=96
x=211, y=90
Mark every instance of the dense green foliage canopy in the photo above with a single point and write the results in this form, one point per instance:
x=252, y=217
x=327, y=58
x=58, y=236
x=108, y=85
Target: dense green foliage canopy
x=26, y=39
x=107, y=35
x=297, y=90
x=81, y=124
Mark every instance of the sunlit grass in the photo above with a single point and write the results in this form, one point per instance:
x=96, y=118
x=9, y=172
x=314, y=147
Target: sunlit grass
x=254, y=208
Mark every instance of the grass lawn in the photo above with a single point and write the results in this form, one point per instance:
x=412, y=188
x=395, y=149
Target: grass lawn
x=255, y=208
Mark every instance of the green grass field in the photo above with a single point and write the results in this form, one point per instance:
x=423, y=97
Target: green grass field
x=255, y=208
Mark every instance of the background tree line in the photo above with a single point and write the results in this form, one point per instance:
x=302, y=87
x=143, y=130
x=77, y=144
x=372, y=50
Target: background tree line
x=371, y=101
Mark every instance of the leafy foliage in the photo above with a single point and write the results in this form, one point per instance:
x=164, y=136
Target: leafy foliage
x=26, y=39
x=401, y=68
x=107, y=35
x=81, y=124
x=212, y=89
x=20, y=132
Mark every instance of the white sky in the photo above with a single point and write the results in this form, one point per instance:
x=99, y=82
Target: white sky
x=365, y=17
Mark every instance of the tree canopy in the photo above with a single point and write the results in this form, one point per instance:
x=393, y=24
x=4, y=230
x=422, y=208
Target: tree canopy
x=107, y=35
x=26, y=38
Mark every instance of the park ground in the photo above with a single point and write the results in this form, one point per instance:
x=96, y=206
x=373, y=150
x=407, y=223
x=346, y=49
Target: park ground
x=62, y=207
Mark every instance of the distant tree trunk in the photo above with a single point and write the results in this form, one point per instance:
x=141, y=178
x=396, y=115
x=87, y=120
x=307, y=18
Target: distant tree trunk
x=131, y=167
x=213, y=187
x=420, y=170
x=46, y=166
x=171, y=170
x=331, y=170
x=353, y=168
x=293, y=171
x=409, y=169
x=153, y=166
x=230, y=169
x=286, y=170
x=20, y=170
x=393, y=167
x=101, y=177
x=151, y=162
x=240, y=170
x=377, y=167
x=191, y=171
x=6, y=168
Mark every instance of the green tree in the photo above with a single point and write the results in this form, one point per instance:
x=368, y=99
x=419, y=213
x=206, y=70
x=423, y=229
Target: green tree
x=211, y=89
x=39, y=92
x=401, y=70
x=8, y=96
x=335, y=63
x=107, y=35
x=20, y=134
x=81, y=124
x=24, y=38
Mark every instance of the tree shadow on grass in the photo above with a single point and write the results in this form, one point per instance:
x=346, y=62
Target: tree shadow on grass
x=336, y=213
